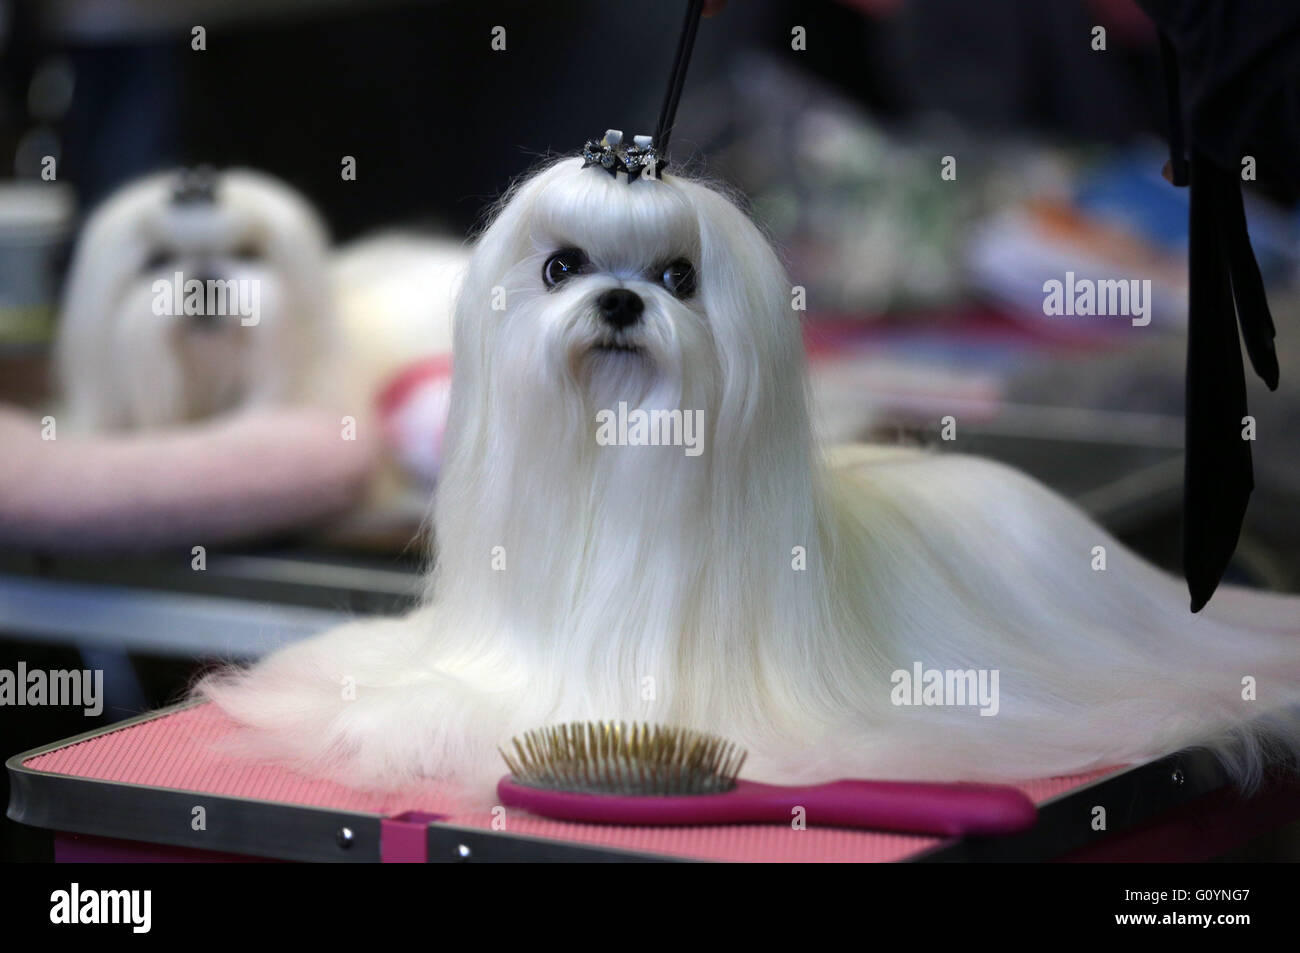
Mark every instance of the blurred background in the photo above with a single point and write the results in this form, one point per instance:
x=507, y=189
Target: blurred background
x=924, y=292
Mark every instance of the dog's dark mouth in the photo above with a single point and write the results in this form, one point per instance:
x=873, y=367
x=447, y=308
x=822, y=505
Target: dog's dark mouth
x=616, y=347
x=207, y=322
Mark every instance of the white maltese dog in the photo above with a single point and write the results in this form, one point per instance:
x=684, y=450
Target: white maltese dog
x=736, y=580
x=193, y=294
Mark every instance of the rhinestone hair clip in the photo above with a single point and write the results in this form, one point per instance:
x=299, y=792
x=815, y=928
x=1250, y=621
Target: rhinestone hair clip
x=197, y=186
x=611, y=153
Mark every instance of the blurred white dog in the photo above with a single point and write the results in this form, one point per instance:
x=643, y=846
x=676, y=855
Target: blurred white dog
x=791, y=603
x=193, y=294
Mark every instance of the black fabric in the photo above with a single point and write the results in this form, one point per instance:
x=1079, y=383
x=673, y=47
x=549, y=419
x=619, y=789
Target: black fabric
x=1239, y=62
x=1233, y=85
x=1257, y=328
x=1218, y=476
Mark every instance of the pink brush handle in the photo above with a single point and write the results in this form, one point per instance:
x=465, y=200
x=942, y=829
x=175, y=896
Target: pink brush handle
x=913, y=807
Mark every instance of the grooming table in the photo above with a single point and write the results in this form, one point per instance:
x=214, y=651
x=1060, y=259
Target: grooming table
x=130, y=793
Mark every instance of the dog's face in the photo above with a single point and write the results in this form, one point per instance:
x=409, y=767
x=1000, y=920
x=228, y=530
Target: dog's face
x=590, y=291
x=228, y=239
x=588, y=298
x=603, y=287
x=208, y=298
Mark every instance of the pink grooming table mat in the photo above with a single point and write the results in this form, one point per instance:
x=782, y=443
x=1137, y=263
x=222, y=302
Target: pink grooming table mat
x=178, y=749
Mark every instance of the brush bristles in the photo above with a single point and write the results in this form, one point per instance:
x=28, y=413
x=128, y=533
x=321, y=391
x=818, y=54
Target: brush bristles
x=628, y=759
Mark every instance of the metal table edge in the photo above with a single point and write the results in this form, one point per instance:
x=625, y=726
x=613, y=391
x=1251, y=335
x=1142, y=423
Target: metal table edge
x=1135, y=795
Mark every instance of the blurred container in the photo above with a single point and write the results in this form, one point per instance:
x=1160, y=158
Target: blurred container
x=35, y=224
x=35, y=228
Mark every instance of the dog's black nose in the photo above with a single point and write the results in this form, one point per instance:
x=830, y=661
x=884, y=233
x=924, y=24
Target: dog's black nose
x=620, y=307
x=205, y=319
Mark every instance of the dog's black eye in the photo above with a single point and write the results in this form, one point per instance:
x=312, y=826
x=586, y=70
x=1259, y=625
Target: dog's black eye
x=679, y=278
x=246, y=251
x=157, y=260
x=563, y=264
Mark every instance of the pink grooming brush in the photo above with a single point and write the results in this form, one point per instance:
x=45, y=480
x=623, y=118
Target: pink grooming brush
x=649, y=775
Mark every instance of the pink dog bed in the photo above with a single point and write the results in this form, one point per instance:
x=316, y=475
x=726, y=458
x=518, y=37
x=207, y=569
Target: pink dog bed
x=231, y=478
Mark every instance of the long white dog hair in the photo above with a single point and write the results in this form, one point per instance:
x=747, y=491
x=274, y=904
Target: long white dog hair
x=760, y=590
x=122, y=365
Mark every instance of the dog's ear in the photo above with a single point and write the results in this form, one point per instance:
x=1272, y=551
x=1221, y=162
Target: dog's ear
x=296, y=242
x=499, y=247
x=748, y=302
x=106, y=259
